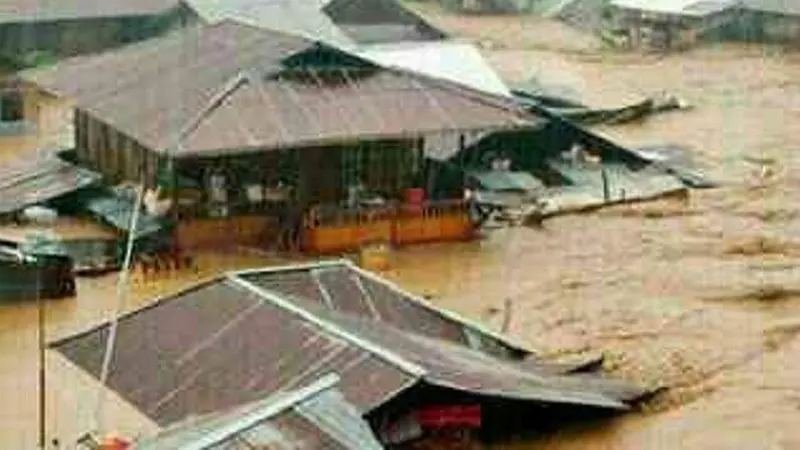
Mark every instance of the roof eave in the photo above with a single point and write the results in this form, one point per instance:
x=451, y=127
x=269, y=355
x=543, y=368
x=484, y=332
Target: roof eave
x=249, y=148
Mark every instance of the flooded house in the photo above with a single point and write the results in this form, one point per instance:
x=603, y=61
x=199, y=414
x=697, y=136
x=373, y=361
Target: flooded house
x=240, y=124
x=679, y=24
x=669, y=24
x=412, y=371
x=772, y=21
x=35, y=33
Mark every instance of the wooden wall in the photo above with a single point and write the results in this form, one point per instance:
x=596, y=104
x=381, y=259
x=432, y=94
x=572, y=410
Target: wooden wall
x=112, y=153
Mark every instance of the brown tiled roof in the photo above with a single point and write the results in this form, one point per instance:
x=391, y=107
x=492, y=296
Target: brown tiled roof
x=39, y=10
x=230, y=342
x=217, y=88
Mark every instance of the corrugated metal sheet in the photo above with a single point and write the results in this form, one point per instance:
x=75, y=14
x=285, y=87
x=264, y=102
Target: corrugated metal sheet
x=382, y=33
x=456, y=62
x=342, y=289
x=380, y=12
x=229, y=342
x=115, y=207
x=40, y=180
x=677, y=7
x=317, y=109
x=500, y=180
x=218, y=346
x=788, y=7
x=379, y=300
x=456, y=367
x=297, y=17
x=38, y=10
x=151, y=91
x=313, y=417
x=212, y=87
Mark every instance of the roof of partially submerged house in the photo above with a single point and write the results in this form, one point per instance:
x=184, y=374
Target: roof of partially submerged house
x=309, y=418
x=234, y=340
x=785, y=7
x=43, y=11
x=458, y=62
x=230, y=87
x=694, y=8
x=341, y=23
x=39, y=180
x=304, y=18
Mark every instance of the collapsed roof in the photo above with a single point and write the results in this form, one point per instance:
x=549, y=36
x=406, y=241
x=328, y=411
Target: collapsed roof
x=205, y=91
x=249, y=335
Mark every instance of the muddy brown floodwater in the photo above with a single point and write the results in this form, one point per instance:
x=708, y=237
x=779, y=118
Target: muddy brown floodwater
x=702, y=297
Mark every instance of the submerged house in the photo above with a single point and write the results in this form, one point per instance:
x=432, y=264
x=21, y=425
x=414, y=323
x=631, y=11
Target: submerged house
x=227, y=117
x=34, y=33
x=669, y=24
x=767, y=21
x=676, y=24
x=408, y=368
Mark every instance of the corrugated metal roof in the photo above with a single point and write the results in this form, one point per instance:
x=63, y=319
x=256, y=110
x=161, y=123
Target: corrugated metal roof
x=788, y=7
x=154, y=89
x=457, y=367
x=39, y=180
x=302, y=18
x=456, y=62
x=677, y=7
x=381, y=12
x=330, y=107
x=115, y=207
x=229, y=342
x=501, y=180
x=216, y=87
x=342, y=287
x=218, y=346
x=48, y=10
x=312, y=417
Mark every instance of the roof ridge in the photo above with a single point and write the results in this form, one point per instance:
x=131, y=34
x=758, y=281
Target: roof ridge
x=265, y=409
x=441, y=311
x=369, y=346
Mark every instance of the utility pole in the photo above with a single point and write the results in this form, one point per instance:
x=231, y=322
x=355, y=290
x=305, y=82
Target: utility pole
x=41, y=349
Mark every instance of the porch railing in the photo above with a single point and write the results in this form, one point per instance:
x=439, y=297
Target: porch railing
x=329, y=228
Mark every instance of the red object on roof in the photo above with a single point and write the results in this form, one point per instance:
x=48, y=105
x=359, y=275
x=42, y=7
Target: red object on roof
x=415, y=196
x=455, y=416
x=115, y=443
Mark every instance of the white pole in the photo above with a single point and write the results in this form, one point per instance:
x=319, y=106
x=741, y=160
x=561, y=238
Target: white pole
x=122, y=291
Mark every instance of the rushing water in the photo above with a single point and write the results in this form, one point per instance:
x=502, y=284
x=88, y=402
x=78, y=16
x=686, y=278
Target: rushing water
x=701, y=297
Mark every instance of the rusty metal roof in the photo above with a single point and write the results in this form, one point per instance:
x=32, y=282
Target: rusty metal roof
x=222, y=88
x=218, y=346
x=312, y=417
x=344, y=287
x=230, y=341
x=39, y=180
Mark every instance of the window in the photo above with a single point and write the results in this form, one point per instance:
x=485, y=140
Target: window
x=11, y=107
